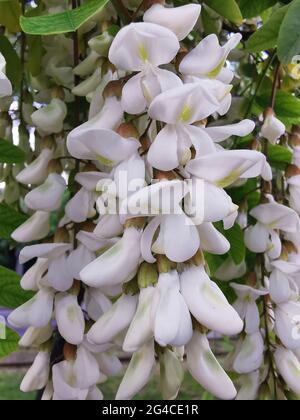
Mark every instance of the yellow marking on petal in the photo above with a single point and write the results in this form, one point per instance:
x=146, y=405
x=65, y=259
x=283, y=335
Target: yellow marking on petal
x=211, y=295
x=143, y=53
x=186, y=114
x=212, y=362
x=230, y=179
x=71, y=313
x=105, y=161
x=294, y=368
x=214, y=73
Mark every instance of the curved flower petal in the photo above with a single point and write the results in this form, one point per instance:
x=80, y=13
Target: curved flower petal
x=69, y=318
x=250, y=356
x=135, y=45
x=207, y=303
x=34, y=229
x=241, y=129
x=289, y=368
x=38, y=374
x=205, y=368
x=212, y=240
x=36, y=172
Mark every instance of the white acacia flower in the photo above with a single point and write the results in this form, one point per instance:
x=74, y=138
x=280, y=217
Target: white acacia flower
x=141, y=327
x=87, y=66
x=65, y=383
x=38, y=374
x=211, y=240
x=86, y=368
x=36, y=312
x=226, y=167
x=88, y=85
x=205, y=368
x=50, y=119
x=78, y=259
x=36, y=172
x=59, y=275
x=69, y=318
x=49, y=251
x=135, y=49
x=81, y=206
x=179, y=20
x=283, y=286
x=287, y=324
x=171, y=374
x=207, y=303
x=5, y=85
x=271, y=217
x=35, y=228
x=118, y=264
x=220, y=133
x=250, y=355
x=48, y=196
x=96, y=303
x=289, y=368
x=114, y=320
x=207, y=60
x=272, y=129
x=246, y=305
x=138, y=373
x=172, y=322
x=101, y=125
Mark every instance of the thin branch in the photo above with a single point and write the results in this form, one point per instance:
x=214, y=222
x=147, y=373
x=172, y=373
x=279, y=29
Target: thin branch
x=275, y=85
x=122, y=11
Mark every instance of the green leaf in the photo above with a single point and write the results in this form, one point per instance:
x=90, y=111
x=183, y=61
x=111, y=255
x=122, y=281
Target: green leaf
x=59, y=23
x=9, y=344
x=13, y=63
x=279, y=156
x=9, y=153
x=289, y=34
x=210, y=25
x=266, y=37
x=10, y=12
x=235, y=237
x=229, y=9
x=287, y=106
x=10, y=219
x=11, y=293
x=253, y=8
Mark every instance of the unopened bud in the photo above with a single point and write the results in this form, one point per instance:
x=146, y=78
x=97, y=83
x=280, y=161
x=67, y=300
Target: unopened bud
x=54, y=167
x=127, y=130
x=69, y=352
x=292, y=170
x=113, y=88
x=61, y=236
x=147, y=275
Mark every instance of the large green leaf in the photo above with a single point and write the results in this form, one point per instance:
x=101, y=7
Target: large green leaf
x=10, y=219
x=235, y=237
x=252, y=8
x=68, y=21
x=11, y=293
x=266, y=37
x=229, y=9
x=279, y=156
x=10, y=12
x=13, y=63
x=9, y=344
x=289, y=34
x=287, y=106
x=9, y=153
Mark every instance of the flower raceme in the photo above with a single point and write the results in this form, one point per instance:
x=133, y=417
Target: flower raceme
x=126, y=268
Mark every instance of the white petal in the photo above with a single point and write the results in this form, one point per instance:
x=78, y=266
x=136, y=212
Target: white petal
x=116, y=265
x=289, y=368
x=212, y=240
x=179, y=20
x=272, y=129
x=257, y=238
x=48, y=196
x=34, y=229
x=138, y=372
x=240, y=129
x=147, y=239
x=78, y=209
x=59, y=276
x=172, y=374
x=287, y=323
x=50, y=251
x=38, y=374
x=33, y=276
x=136, y=44
x=77, y=260
x=85, y=368
x=207, y=303
x=229, y=270
x=36, y=312
x=69, y=318
x=36, y=172
x=115, y=320
x=50, y=118
x=250, y=357
x=205, y=368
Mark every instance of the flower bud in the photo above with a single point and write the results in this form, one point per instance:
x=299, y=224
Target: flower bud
x=69, y=352
x=292, y=170
x=128, y=130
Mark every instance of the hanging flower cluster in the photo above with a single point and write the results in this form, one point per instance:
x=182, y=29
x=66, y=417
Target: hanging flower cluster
x=137, y=190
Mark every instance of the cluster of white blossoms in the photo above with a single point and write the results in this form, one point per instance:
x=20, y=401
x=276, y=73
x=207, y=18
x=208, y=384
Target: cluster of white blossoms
x=140, y=242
